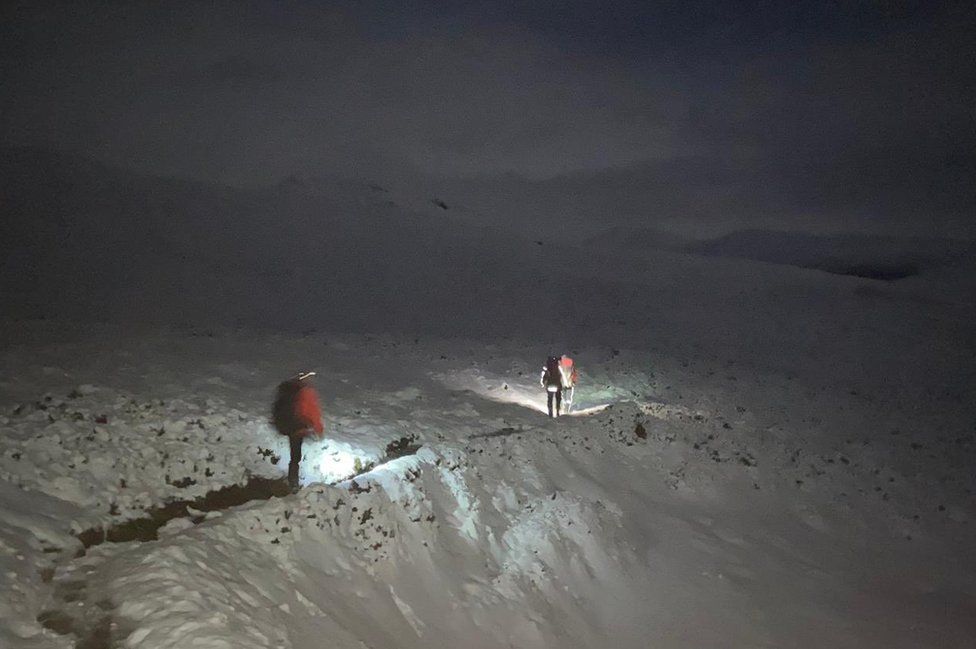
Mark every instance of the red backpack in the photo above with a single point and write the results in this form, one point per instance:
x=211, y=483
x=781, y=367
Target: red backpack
x=569, y=368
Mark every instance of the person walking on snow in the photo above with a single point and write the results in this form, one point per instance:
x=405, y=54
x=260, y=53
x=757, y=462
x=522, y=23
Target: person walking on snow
x=553, y=380
x=570, y=376
x=296, y=414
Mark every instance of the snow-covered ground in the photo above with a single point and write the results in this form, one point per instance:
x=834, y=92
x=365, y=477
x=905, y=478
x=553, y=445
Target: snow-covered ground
x=762, y=455
x=708, y=505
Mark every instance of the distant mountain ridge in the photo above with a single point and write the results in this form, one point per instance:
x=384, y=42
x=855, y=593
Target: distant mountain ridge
x=80, y=239
x=862, y=255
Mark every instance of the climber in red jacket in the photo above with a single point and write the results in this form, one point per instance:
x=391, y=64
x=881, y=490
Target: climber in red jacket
x=297, y=414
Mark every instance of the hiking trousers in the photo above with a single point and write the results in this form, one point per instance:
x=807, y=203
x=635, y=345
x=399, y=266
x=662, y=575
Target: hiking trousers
x=294, y=460
x=558, y=395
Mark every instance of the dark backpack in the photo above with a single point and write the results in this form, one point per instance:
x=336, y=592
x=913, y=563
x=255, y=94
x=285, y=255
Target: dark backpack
x=553, y=377
x=283, y=411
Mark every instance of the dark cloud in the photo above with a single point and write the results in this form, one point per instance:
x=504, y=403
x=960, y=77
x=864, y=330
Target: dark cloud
x=785, y=107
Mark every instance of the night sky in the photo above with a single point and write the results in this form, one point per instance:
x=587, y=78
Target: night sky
x=856, y=114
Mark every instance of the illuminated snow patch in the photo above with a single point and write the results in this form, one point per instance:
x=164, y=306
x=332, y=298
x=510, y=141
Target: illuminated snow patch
x=525, y=394
x=389, y=475
x=592, y=410
x=532, y=402
x=533, y=398
x=334, y=461
x=337, y=462
x=494, y=389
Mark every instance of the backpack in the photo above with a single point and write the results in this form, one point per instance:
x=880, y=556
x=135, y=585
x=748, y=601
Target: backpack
x=552, y=374
x=569, y=370
x=283, y=411
x=296, y=409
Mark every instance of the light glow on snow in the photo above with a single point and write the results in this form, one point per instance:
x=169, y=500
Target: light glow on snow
x=539, y=405
x=592, y=410
x=389, y=475
x=526, y=395
x=333, y=461
x=530, y=398
x=530, y=401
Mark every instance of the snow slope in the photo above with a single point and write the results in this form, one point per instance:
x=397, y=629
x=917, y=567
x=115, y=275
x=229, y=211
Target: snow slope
x=757, y=510
x=98, y=244
x=764, y=455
